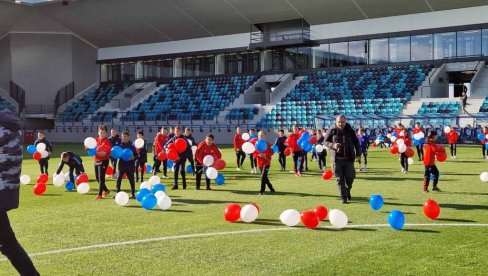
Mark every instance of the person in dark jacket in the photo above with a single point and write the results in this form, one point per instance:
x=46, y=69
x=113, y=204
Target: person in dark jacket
x=321, y=156
x=179, y=164
x=44, y=162
x=141, y=159
x=192, y=143
x=10, y=167
x=115, y=141
x=344, y=149
x=127, y=167
x=280, y=142
x=74, y=162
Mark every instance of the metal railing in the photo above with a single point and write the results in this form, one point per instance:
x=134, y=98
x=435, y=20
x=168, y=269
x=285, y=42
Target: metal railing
x=18, y=94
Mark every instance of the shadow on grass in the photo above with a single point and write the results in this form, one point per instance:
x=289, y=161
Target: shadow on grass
x=420, y=230
x=390, y=179
x=156, y=209
x=50, y=195
x=446, y=205
x=455, y=220
x=243, y=192
x=405, y=213
x=465, y=193
x=203, y=201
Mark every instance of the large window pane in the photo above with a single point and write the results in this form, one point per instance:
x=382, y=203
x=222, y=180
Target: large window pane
x=378, y=51
x=167, y=68
x=484, y=42
x=250, y=62
x=469, y=43
x=338, y=54
x=320, y=56
x=358, y=52
x=400, y=49
x=304, y=58
x=128, y=71
x=444, y=45
x=421, y=47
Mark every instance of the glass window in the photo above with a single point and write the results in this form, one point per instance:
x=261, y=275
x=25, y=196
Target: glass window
x=399, y=49
x=251, y=62
x=304, y=58
x=128, y=71
x=421, y=47
x=378, y=51
x=321, y=56
x=358, y=52
x=469, y=43
x=444, y=45
x=207, y=65
x=167, y=67
x=338, y=54
x=484, y=42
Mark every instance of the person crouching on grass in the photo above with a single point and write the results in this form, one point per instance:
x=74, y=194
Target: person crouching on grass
x=263, y=163
x=74, y=162
x=206, y=147
x=102, y=159
x=430, y=149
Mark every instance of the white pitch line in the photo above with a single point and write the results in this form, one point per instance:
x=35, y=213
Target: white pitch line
x=133, y=242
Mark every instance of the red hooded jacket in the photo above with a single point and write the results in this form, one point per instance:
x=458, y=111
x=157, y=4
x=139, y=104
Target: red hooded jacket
x=103, y=145
x=429, y=153
x=203, y=150
x=452, y=137
x=266, y=160
x=159, y=142
x=238, y=141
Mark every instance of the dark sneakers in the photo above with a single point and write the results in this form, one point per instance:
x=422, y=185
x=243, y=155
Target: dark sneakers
x=435, y=189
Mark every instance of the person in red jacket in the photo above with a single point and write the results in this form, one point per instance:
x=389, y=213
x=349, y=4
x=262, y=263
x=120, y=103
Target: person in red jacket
x=452, y=138
x=403, y=156
x=206, y=147
x=484, y=150
x=240, y=154
x=158, y=147
x=291, y=142
x=430, y=150
x=420, y=146
x=263, y=163
x=102, y=159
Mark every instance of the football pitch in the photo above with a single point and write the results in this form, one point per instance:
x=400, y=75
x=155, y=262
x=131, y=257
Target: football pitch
x=67, y=233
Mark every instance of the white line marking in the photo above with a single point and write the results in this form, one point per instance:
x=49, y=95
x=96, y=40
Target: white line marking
x=133, y=242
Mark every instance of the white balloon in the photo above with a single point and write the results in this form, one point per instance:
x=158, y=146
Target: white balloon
x=377, y=142
x=338, y=218
x=145, y=185
x=41, y=147
x=139, y=143
x=249, y=213
x=44, y=154
x=393, y=139
x=290, y=217
x=173, y=169
x=194, y=149
x=121, y=198
x=159, y=194
x=25, y=179
x=410, y=161
x=190, y=142
x=66, y=177
x=447, y=129
x=388, y=135
x=421, y=135
x=484, y=177
x=58, y=180
x=400, y=142
x=83, y=188
x=90, y=143
x=164, y=202
x=402, y=148
x=245, y=136
x=416, y=136
x=153, y=180
x=248, y=147
x=319, y=148
x=486, y=136
x=212, y=173
x=208, y=160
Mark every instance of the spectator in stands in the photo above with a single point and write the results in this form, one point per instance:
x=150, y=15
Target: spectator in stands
x=11, y=164
x=344, y=149
x=484, y=130
x=264, y=162
x=127, y=167
x=206, y=147
x=240, y=154
x=179, y=164
x=74, y=162
x=364, y=145
x=158, y=148
x=429, y=162
x=115, y=141
x=141, y=159
x=254, y=167
x=44, y=162
x=192, y=143
x=102, y=159
x=420, y=146
x=321, y=156
x=464, y=100
x=297, y=152
x=403, y=156
x=280, y=143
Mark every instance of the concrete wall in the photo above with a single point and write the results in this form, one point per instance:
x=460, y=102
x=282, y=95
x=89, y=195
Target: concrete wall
x=85, y=70
x=5, y=64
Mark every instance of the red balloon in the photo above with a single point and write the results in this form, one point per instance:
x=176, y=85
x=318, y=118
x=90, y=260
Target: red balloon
x=143, y=169
x=162, y=156
x=43, y=178
x=441, y=157
x=373, y=144
x=37, y=156
x=171, y=146
x=180, y=145
x=172, y=155
x=291, y=142
x=394, y=150
x=440, y=149
x=256, y=205
x=431, y=209
x=327, y=174
x=219, y=164
x=313, y=140
x=110, y=170
x=253, y=141
x=287, y=152
x=232, y=212
x=40, y=188
x=309, y=219
x=124, y=176
x=409, y=152
x=82, y=178
x=321, y=212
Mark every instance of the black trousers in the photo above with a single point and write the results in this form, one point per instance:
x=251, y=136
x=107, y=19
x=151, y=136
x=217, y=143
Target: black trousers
x=314, y=155
x=100, y=171
x=113, y=161
x=157, y=166
x=305, y=160
x=420, y=151
x=428, y=171
x=130, y=175
x=240, y=157
x=198, y=175
x=404, y=161
x=142, y=166
x=321, y=159
x=10, y=247
x=77, y=170
x=484, y=151
x=298, y=161
x=345, y=174
x=265, y=180
x=453, y=149
x=365, y=155
x=44, y=165
x=191, y=160
x=180, y=168
x=282, y=160
x=253, y=161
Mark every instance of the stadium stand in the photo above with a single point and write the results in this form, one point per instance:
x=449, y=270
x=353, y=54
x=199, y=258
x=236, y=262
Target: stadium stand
x=242, y=113
x=4, y=104
x=429, y=108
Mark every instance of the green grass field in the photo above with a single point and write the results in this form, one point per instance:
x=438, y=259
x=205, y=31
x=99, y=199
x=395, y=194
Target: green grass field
x=61, y=220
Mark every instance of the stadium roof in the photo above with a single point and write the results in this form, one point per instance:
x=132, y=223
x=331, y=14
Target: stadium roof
x=107, y=23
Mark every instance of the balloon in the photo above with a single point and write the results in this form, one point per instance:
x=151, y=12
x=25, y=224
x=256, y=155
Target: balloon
x=275, y=148
x=170, y=164
x=164, y=202
x=211, y=173
x=219, y=164
x=25, y=179
x=394, y=150
x=388, y=135
x=395, y=134
x=290, y=217
x=110, y=170
x=338, y=218
x=36, y=156
x=396, y=219
x=432, y=177
x=248, y=147
x=306, y=146
x=287, y=152
x=162, y=156
x=194, y=149
x=83, y=188
x=305, y=135
x=91, y=152
x=41, y=147
x=148, y=168
x=141, y=194
x=31, y=149
x=483, y=177
x=291, y=142
x=416, y=142
x=321, y=212
x=127, y=154
x=172, y=155
x=376, y=202
x=180, y=145
x=327, y=174
x=245, y=136
x=409, y=152
x=149, y=201
x=441, y=157
x=261, y=145
x=393, y=138
x=116, y=152
x=431, y=209
x=208, y=160
x=319, y=148
x=90, y=143
x=421, y=135
x=402, y=148
x=220, y=180
x=153, y=180
x=145, y=185
x=309, y=219
x=121, y=198
x=158, y=187
x=400, y=142
x=189, y=169
x=139, y=143
x=481, y=137
x=447, y=129
x=256, y=205
x=40, y=188
x=159, y=194
x=486, y=145
x=232, y=212
x=249, y=213
x=58, y=180
x=313, y=140
x=69, y=186
x=43, y=178
x=410, y=161
x=81, y=178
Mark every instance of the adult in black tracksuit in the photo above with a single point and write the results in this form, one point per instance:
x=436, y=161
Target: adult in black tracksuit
x=127, y=167
x=323, y=154
x=344, y=149
x=44, y=162
x=280, y=142
x=74, y=163
x=141, y=159
x=115, y=141
x=179, y=164
x=10, y=166
x=192, y=143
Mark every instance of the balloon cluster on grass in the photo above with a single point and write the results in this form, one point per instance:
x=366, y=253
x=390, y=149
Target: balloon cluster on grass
x=312, y=218
x=59, y=180
x=38, y=152
x=248, y=213
x=152, y=193
x=212, y=168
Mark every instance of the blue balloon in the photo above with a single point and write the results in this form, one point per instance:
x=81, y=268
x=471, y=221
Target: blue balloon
x=91, y=152
x=486, y=145
x=69, y=186
x=116, y=152
x=148, y=168
x=422, y=140
x=261, y=145
x=481, y=137
x=142, y=193
x=189, y=169
x=313, y=149
x=306, y=146
x=376, y=202
x=416, y=142
x=395, y=134
x=396, y=219
x=170, y=164
x=158, y=187
x=432, y=177
x=253, y=136
x=301, y=141
x=127, y=154
x=31, y=149
x=275, y=148
x=381, y=138
x=305, y=136
x=220, y=180
x=149, y=201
